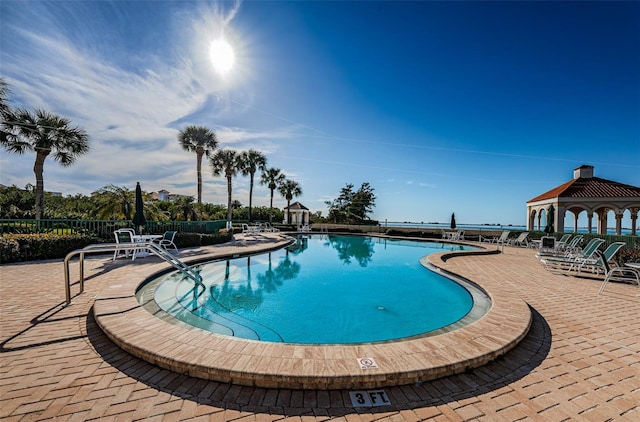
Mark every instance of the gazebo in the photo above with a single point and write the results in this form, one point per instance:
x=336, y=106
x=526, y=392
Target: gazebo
x=299, y=214
x=586, y=193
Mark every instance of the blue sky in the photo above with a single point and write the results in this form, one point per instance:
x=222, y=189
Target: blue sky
x=465, y=107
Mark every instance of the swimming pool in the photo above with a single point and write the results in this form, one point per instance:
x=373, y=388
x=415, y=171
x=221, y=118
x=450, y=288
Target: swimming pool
x=320, y=290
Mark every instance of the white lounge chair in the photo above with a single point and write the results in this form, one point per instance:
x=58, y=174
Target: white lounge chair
x=561, y=250
x=269, y=228
x=601, y=261
x=562, y=242
x=628, y=273
x=572, y=261
x=500, y=239
x=521, y=240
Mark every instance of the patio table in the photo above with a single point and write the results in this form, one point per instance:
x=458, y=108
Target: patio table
x=144, y=238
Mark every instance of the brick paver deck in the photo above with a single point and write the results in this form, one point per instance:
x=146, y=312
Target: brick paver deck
x=579, y=361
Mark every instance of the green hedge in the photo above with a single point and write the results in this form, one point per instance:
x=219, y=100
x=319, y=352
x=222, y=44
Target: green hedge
x=186, y=240
x=27, y=247
x=32, y=247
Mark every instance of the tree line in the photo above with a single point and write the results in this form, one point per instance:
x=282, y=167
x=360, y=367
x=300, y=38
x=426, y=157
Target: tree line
x=118, y=203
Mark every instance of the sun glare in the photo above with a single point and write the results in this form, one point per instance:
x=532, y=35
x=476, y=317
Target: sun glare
x=222, y=57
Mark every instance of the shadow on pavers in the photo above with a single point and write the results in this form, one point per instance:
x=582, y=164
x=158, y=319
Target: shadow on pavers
x=514, y=365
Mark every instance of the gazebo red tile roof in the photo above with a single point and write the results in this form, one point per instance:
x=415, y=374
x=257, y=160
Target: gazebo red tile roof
x=592, y=187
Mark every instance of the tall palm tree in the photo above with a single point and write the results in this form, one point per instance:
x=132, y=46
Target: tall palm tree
x=288, y=190
x=46, y=134
x=226, y=162
x=203, y=142
x=250, y=162
x=4, y=110
x=4, y=93
x=272, y=177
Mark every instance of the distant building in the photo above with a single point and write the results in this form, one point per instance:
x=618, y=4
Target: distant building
x=165, y=195
x=162, y=195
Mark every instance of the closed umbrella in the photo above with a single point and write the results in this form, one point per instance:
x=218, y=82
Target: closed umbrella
x=550, y=220
x=138, y=218
x=453, y=220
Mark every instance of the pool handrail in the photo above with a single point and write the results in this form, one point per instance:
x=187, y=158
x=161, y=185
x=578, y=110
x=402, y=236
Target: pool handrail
x=112, y=247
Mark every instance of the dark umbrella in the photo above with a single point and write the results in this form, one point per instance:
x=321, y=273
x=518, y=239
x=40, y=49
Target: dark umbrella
x=453, y=220
x=138, y=218
x=550, y=217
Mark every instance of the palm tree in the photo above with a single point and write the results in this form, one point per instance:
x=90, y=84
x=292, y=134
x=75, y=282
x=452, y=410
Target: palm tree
x=226, y=162
x=114, y=202
x=289, y=189
x=203, y=142
x=272, y=177
x=46, y=134
x=5, y=110
x=250, y=162
x=4, y=93
x=186, y=208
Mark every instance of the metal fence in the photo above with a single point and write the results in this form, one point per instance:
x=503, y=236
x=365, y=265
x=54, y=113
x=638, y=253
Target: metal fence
x=104, y=228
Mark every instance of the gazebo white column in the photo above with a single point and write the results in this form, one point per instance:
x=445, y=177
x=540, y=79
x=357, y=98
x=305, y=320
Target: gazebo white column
x=575, y=221
x=559, y=218
x=602, y=220
x=619, y=222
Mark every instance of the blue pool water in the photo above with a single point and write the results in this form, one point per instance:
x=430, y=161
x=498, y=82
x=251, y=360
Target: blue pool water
x=321, y=290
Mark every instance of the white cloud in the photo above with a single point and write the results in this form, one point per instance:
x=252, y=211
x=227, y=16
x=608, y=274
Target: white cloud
x=131, y=116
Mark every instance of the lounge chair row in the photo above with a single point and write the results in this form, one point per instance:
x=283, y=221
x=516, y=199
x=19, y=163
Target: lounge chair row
x=570, y=258
x=453, y=235
x=504, y=239
x=258, y=228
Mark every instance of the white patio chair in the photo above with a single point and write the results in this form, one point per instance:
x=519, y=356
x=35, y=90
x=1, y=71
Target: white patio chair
x=167, y=240
x=124, y=236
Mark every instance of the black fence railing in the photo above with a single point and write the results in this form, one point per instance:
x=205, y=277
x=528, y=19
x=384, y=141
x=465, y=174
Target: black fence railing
x=104, y=228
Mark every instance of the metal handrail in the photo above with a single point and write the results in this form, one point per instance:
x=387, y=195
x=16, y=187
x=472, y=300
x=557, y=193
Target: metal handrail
x=113, y=247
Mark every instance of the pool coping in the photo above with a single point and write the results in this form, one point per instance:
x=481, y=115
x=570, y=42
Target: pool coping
x=202, y=354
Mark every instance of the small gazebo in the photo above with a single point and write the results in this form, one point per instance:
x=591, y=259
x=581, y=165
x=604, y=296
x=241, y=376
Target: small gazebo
x=586, y=193
x=299, y=214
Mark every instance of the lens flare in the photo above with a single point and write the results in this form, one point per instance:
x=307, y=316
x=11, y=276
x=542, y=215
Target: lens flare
x=222, y=57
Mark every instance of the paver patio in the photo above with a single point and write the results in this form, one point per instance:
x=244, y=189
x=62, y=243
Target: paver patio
x=580, y=360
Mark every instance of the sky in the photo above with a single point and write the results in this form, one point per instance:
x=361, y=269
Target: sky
x=470, y=108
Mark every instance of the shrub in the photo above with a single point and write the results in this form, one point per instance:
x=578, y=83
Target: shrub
x=412, y=233
x=628, y=255
x=25, y=247
x=9, y=249
x=185, y=240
